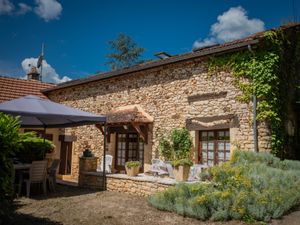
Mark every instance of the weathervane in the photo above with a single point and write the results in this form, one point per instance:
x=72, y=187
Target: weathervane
x=40, y=61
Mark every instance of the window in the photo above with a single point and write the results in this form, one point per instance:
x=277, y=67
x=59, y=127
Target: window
x=129, y=147
x=214, y=146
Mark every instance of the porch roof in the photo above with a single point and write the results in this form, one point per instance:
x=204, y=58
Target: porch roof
x=128, y=114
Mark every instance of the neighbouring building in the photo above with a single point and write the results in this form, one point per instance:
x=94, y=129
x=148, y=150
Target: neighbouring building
x=12, y=88
x=147, y=100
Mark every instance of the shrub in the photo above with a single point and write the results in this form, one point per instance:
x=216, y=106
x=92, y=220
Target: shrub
x=9, y=136
x=177, y=145
x=252, y=186
x=182, y=162
x=131, y=164
x=181, y=143
x=87, y=153
x=33, y=147
x=166, y=149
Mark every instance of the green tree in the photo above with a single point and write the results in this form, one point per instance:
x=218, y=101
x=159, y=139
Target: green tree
x=9, y=144
x=125, y=52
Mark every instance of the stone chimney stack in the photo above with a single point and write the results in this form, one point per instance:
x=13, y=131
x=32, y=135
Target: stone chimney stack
x=33, y=74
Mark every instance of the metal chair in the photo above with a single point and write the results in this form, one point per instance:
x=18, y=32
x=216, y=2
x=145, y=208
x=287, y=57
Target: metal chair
x=37, y=174
x=108, y=164
x=51, y=177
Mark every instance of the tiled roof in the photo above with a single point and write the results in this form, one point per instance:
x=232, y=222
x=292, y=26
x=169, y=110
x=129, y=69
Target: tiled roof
x=210, y=50
x=128, y=114
x=11, y=88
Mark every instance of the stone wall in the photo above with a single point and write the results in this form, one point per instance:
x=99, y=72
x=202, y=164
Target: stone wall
x=134, y=186
x=88, y=177
x=140, y=185
x=172, y=95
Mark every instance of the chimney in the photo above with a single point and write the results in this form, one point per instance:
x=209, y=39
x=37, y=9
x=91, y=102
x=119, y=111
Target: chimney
x=33, y=74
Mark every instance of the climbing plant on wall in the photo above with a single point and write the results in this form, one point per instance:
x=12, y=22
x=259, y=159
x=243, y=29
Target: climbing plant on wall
x=264, y=72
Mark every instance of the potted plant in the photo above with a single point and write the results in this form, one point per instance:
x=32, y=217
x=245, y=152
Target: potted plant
x=176, y=148
x=182, y=169
x=87, y=153
x=132, y=168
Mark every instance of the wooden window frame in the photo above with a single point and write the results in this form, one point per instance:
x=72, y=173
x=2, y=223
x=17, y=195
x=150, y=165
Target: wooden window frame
x=119, y=167
x=216, y=142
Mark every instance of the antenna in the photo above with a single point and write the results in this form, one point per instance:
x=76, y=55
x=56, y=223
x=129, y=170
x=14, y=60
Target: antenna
x=294, y=11
x=40, y=61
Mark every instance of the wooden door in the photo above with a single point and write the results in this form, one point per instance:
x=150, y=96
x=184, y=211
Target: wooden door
x=65, y=158
x=129, y=147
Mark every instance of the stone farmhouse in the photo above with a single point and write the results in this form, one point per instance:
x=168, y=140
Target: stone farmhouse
x=147, y=100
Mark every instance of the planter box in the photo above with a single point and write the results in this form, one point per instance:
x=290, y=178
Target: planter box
x=133, y=171
x=181, y=173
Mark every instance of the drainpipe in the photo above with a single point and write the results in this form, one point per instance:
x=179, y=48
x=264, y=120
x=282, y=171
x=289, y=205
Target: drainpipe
x=254, y=100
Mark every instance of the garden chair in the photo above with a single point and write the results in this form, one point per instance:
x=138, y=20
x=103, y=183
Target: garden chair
x=108, y=164
x=158, y=167
x=51, y=177
x=37, y=175
x=195, y=170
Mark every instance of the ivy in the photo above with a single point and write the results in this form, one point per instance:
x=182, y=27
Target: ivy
x=261, y=72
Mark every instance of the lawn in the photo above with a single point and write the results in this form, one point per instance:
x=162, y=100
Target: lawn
x=71, y=205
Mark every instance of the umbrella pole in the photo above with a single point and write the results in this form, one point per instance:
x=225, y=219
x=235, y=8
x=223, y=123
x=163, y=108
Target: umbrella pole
x=44, y=141
x=104, y=160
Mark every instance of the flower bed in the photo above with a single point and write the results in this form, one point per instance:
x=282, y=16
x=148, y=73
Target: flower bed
x=252, y=186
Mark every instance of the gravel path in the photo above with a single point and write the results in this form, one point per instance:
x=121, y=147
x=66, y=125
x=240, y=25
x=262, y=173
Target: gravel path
x=77, y=206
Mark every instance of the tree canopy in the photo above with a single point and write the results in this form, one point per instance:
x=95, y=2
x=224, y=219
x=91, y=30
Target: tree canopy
x=125, y=52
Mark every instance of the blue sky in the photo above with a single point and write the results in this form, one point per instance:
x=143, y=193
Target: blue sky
x=76, y=33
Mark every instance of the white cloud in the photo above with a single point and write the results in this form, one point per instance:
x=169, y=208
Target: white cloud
x=23, y=9
x=49, y=73
x=232, y=24
x=48, y=9
x=6, y=7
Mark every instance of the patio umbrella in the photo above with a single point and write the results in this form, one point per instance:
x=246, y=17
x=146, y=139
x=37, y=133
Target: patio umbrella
x=38, y=112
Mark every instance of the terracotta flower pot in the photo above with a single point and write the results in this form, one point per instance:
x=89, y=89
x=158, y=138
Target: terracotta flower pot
x=181, y=173
x=133, y=171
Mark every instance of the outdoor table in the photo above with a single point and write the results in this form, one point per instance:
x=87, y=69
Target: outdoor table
x=22, y=166
x=19, y=168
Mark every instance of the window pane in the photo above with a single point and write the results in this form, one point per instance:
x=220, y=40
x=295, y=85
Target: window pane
x=220, y=146
x=210, y=154
x=227, y=134
x=221, y=156
x=210, y=162
x=204, y=155
x=227, y=146
x=227, y=155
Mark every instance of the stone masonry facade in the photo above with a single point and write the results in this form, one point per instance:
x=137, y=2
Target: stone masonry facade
x=173, y=95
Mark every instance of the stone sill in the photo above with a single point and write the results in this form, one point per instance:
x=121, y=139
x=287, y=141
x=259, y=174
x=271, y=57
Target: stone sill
x=144, y=178
x=140, y=177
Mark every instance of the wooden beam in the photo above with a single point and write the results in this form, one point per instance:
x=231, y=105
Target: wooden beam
x=99, y=126
x=142, y=132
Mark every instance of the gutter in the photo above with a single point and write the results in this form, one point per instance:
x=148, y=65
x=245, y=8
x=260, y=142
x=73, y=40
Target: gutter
x=171, y=60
